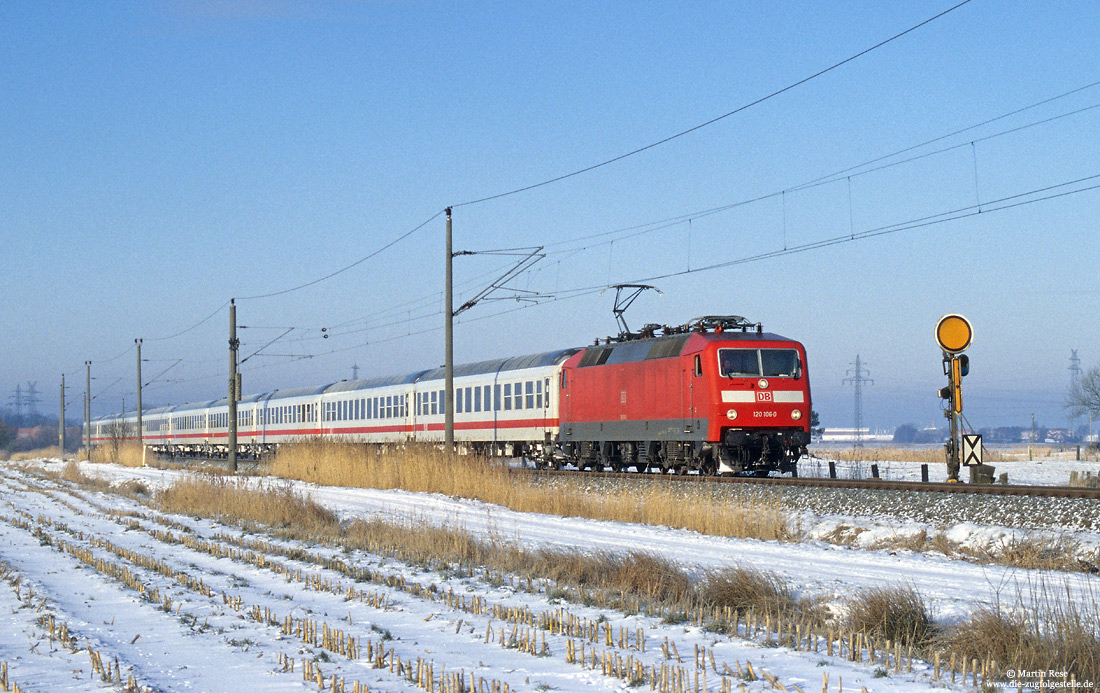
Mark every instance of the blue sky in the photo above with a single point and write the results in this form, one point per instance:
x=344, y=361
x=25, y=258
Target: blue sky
x=162, y=157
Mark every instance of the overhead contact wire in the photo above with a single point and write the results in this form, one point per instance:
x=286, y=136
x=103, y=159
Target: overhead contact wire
x=347, y=267
x=712, y=121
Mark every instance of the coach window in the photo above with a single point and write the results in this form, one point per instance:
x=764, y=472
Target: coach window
x=538, y=394
x=469, y=400
x=442, y=402
x=485, y=395
x=496, y=397
x=477, y=399
x=530, y=395
x=507, y=396
x=458, y=401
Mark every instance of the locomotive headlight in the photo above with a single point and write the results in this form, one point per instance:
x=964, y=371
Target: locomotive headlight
x=762, y=383
x=731, y=414
x=796, y=414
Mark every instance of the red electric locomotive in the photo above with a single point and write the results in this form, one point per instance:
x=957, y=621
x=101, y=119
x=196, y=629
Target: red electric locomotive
x=716, y=395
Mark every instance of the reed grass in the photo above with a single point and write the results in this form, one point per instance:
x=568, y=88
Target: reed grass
x=1048, y=631
x=895, y=612
x=50, y=452
x=127, y=454
x=748, y=589
x=428, y=470
x=274, y=505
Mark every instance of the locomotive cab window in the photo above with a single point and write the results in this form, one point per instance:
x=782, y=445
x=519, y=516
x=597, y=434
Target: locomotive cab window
x=751, y=363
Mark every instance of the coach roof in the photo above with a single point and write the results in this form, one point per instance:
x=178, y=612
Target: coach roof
x=513, y=363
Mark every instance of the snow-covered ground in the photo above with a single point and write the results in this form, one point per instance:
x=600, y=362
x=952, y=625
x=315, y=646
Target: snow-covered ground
x=1051, y=468
x=125, y=582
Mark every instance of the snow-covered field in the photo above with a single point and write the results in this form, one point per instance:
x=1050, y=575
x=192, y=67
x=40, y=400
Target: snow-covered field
x=1053, y=468
x=180, y=603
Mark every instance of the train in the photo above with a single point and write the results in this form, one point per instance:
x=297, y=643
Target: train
x=716, y=395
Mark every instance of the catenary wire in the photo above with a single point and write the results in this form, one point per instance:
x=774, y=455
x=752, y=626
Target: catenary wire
x=347, y=267
x=700, y=126
x=669, y=222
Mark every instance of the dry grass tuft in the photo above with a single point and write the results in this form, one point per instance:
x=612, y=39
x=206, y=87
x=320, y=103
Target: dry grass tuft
x=51, y=452
x=650, y=576
x=990, y=631
x=274, y=505
x=72, y=472
x=748, y=589
x=422, y=544
x=125, y=454
x=1052, y=632
x=1035, y=552
x=897, y=613
x=415, y=468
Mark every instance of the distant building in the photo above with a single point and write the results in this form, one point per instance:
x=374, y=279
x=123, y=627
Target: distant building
x=849, y=435
x=29, y=433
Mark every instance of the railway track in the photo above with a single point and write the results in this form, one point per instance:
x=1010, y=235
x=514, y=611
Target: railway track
x=866, y=484
x=812, y=482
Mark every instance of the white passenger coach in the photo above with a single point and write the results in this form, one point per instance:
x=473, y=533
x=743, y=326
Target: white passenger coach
x=502, y=406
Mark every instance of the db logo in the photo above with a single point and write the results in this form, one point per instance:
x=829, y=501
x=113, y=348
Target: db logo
x=763, y=397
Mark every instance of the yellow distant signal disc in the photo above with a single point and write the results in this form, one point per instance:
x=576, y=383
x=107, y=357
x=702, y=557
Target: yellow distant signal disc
x=953, y=333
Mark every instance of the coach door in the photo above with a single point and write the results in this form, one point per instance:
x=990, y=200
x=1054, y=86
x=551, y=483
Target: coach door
x=687, y=396
x=692, y=390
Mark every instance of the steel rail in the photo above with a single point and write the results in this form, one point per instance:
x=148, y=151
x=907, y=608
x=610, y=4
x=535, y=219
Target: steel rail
x=866, y=484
